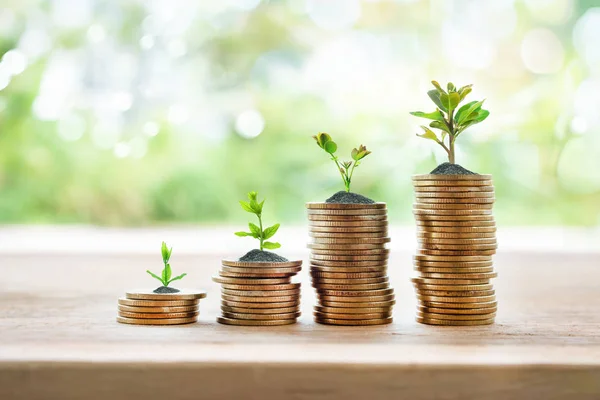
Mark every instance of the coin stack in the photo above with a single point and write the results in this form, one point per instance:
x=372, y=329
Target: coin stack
x=142, y=307
x=259, y=293
x=457, y=238
x=349, y=263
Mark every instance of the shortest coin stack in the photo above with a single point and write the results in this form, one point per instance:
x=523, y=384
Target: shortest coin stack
x=143, y=307
x=259, y=293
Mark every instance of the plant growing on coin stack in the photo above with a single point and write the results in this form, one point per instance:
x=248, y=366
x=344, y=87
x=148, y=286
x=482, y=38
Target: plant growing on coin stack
x=257, y=288
x=455, y=225
x=348, y=251
x=165, y=277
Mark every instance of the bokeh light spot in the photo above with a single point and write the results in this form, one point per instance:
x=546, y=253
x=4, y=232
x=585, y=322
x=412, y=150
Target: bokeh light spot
x=249, y=124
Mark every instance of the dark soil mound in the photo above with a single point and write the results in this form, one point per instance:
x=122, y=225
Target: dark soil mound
x=262, y=256
x=342, y=197
x=451, y=169
x=165, y=289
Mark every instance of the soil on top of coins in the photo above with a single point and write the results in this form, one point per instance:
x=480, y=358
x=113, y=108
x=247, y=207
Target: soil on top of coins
x=262, y=256
x=166, y=289
x=451, y=169
x=342, y=197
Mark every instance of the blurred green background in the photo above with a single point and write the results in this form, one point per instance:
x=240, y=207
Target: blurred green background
x=133, y=112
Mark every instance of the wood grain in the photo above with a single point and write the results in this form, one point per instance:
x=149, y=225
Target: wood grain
x=60, y=339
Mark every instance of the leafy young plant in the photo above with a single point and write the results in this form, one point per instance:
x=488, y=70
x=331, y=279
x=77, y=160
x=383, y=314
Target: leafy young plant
x=447, y=119
x=257, y=232
x=346, y=168
x=165, y=277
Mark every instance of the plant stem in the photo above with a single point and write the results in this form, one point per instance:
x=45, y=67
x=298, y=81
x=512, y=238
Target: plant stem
x=261, y=231
x=350, y=177
x=451, y=151
x=451, y=137
x=347, y=184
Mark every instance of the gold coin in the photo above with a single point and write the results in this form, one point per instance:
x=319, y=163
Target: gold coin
x=455, y=270
x=357, y=299
x=441, y=264
x=261, y=293
x=315, y=273
x=240, y=310
x=452, y=183
x=455, y=235
x=158, y=310
x=462, y=202
x=454, y=281
x=453, y=189
x=355, y=293
x=350, y=241
x=454, y=248
x=167, y=321
x=357, y=305
x=455, y=195
x=346, y=264
x=127, y=314
x=349, y=212
x=459, y=317
x=431, y=321
x=435, y=177
x=440, y=217
x=448, y=299
x=248, y=322
x=268, y=288
x=462, y=306
x=347, y=224
x=351, y=252
x=251, y=281
x=380, y=269
x=487, y=286
x=258, y=299
x=460, y=293
x=463, y=242
x=346, y=235
x=485, y=275
x=157, y=303
x=261, y=317
x=350, y=317
x=244, y=264
x=253, y=306
x=351, y=281
x=372, y=286
x=374, y=258
x=353, y=310
x=255, y=276
x=261, y=271
x=183, y=294
x=343, y=206
x=329, y=321
x=420, y=210
x=382, y=230
x=346, y=246
x=452, y=258
x=455, y=224
x=317, y=217
x=452, y=207
x=458, y=311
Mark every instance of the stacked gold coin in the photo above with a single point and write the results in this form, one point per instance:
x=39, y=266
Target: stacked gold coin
x=349, y=263
x=143, y=307
x=457, y=238
x=259, y=293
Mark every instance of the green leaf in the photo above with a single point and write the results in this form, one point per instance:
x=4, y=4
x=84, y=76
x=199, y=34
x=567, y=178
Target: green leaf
x=482, y=115
x=167, y=272
x=256, y=209
x=164, y=250
x=451, y=87
x=246, y=206
x=252, y=196
x=270, y=231
x=453, y=100
x=242, y=234
x=330, y=147
x=177, y=278
x=434, y=95
x=438, y=87
x=465, y=111
x=464, y=91
x=271, y=245
x=260, y=206
x=428, y=134
x=321, y=138
x=436, y=115
x=256, y=232
x=155, y=276
x=444, y=99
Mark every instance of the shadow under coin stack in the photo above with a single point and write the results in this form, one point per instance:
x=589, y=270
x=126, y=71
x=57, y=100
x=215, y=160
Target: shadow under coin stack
x=142, y=307
x=349, y=263
x=259, y=293
x=457, y=238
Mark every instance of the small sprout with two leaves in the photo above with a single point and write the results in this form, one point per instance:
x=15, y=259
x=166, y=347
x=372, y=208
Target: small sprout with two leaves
x=254, y=207
x=450, y=121
x=165, y=277
x=346, y=168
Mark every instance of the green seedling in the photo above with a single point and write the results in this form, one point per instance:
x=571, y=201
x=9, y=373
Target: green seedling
x=346, y=168
x=165, y=277
x=447, y=119
x=254, y=207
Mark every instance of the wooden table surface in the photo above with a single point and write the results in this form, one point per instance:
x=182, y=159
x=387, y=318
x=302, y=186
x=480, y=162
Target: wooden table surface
x=59, y=338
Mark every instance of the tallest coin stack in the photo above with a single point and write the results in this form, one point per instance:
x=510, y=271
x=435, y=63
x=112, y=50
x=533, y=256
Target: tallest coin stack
x=349, y=263
x=457, y=238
